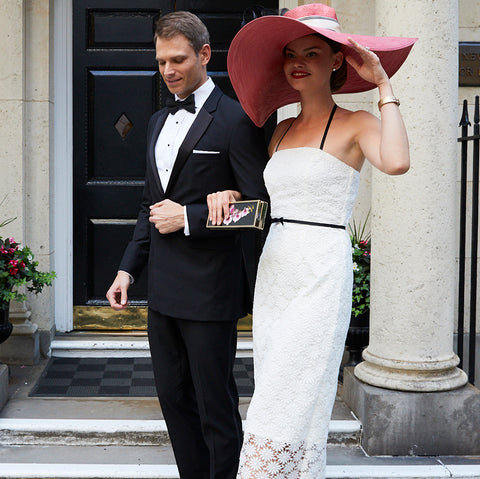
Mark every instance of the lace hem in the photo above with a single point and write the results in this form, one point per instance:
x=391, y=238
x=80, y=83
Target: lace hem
x=263, y=458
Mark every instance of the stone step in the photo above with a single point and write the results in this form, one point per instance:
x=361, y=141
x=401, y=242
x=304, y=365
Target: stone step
x=115, y=346
x=104, y=432
x=152, y=462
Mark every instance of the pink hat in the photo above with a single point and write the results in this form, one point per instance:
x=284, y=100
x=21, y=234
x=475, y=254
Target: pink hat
x=255, y=58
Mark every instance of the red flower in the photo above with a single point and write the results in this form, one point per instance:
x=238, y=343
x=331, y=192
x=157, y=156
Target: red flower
x=14, y=271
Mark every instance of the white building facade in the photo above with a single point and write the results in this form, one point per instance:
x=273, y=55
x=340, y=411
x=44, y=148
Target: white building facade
x=414, y=218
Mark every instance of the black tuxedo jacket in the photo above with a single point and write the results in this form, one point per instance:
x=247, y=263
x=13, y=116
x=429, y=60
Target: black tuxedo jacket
x=201, y=276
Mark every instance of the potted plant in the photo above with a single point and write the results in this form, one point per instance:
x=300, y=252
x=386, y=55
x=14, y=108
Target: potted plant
x=17, y=269
x=357, y=337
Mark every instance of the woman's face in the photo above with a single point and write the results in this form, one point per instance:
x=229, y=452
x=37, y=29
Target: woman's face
x=309, y=62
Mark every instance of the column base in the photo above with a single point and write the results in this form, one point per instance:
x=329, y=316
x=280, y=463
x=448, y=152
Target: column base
x=442, y=375
x=402, y=423
x=3, y=385
x=23, y=346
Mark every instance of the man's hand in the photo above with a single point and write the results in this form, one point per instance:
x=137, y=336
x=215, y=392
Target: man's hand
x=167, y=216
x=117, y=294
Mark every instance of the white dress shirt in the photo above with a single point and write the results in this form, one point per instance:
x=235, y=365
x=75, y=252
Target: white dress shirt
x=174, y=132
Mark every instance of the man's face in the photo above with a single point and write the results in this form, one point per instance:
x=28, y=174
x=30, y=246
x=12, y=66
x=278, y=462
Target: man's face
x=181, y=68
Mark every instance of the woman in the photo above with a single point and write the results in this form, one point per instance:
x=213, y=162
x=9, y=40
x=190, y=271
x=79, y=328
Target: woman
x=303, y=291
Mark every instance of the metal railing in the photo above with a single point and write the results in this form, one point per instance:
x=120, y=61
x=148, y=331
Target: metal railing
x=465, y=140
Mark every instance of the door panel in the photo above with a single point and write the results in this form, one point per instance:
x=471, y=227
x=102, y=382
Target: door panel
x=118, y=124
x=123, y=29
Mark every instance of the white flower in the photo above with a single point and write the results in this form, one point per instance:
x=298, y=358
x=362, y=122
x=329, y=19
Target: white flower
x=283, y=457
x=255, y=464
x=312, y=454
x=355, y=267
x=299, y=455
x=266, y=454
x=273, y=467
x=259, y=441
x=249, y=449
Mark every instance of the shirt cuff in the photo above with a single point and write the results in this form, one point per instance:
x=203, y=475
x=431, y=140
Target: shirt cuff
x=186, y=229
x=131, y=277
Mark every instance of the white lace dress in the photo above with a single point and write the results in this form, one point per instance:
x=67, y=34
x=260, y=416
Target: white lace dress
x=301, y=314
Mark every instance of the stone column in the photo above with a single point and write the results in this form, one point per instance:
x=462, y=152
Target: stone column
x=414, y=223
x=12, y=89
x=23, y=345
x=414, y=227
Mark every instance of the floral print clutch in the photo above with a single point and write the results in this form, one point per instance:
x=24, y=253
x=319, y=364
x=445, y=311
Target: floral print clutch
x=244, y=214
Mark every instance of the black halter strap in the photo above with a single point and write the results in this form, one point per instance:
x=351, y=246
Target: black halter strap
x=329, y=122
x=284, y=133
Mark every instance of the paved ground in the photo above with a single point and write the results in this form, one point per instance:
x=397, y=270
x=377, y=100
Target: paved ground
x=156, y=461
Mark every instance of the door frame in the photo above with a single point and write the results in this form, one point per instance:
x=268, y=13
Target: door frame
x=61, y=206
x=61, y=198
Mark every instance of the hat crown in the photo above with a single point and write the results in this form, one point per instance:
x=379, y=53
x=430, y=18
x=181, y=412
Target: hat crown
x=312, y=10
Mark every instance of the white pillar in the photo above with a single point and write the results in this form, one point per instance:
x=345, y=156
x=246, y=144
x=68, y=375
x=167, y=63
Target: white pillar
x=12, y=90
x=414, y=217
x=23, y=345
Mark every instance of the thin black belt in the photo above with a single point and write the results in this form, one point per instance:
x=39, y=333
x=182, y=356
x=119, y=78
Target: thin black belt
x=311, y=223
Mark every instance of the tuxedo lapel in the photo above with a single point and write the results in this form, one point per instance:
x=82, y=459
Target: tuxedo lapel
x=196, y=132
x=151, y=148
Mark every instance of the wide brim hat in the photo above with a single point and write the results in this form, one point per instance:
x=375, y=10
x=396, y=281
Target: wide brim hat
x=255, y=58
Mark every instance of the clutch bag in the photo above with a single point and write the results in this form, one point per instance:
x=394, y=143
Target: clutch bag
x=244, y=214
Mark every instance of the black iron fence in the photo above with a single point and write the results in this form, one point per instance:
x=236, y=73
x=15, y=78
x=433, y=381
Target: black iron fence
x=468, y=164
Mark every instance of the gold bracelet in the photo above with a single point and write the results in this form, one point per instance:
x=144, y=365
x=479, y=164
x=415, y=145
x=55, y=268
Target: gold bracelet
x=388, y=99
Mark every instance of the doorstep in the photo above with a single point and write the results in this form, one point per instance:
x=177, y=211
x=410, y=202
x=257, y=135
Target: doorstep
x=81, y=345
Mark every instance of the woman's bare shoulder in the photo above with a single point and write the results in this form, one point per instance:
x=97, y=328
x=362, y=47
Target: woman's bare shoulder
x=283, y=125
x=358, y=122
x=357, y=116
x=280, y=129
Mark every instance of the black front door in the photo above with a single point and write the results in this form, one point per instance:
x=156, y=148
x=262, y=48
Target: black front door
x=116, y=89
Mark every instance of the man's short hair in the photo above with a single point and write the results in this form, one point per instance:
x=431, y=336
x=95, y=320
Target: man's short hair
x=184, y=23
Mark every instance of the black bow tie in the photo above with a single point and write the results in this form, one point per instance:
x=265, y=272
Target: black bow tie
x=175, y=105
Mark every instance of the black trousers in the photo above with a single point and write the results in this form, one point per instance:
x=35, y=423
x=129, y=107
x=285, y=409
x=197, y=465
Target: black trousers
x=193, y=368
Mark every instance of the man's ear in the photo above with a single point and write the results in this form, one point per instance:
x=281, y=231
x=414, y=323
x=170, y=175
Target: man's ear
x=205, y=53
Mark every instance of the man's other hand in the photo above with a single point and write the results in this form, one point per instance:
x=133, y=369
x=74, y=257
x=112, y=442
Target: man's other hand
x=117, y=294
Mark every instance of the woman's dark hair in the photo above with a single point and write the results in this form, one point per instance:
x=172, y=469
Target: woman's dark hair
x=339, y=76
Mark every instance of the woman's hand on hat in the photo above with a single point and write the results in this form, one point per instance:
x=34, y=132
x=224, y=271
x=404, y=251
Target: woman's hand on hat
x=219, y=205
x=370, y=68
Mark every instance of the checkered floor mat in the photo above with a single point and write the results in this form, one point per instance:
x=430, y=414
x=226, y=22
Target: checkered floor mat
x=106, y=377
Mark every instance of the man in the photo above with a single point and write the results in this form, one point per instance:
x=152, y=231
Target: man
x=196, y=277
